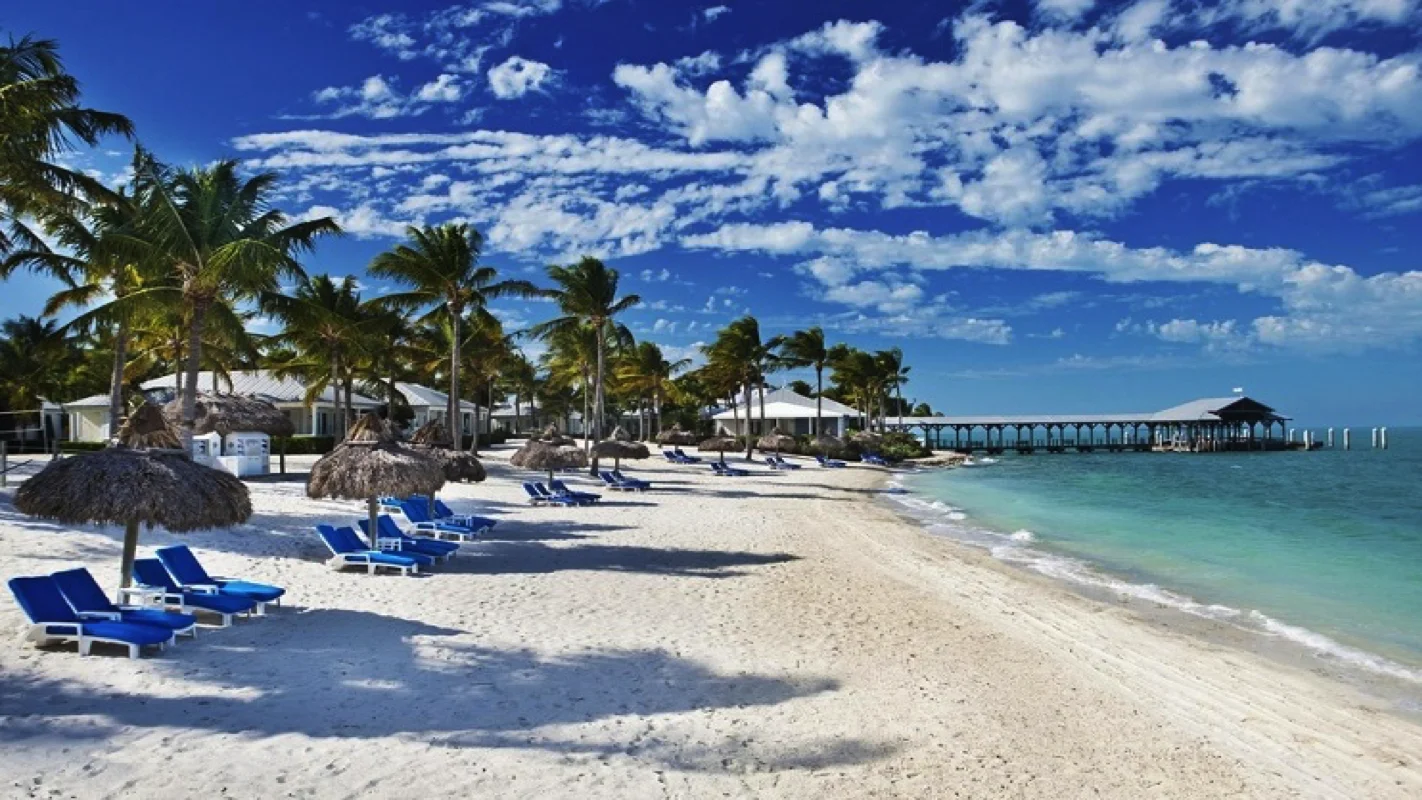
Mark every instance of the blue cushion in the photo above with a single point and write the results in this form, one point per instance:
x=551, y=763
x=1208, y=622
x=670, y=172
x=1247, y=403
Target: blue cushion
x=128, y=632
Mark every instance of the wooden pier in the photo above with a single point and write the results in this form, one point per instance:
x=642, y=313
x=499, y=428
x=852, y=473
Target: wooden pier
x=1212, y=425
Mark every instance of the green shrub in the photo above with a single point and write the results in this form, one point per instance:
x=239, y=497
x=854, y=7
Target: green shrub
x=81, y=447
x=304, y=445
x=897, y=446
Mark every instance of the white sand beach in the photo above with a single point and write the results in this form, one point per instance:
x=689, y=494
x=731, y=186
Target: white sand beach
x=779, y=635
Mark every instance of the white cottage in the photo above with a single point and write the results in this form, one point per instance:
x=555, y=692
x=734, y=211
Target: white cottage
x=89, y=417
x=793, y=413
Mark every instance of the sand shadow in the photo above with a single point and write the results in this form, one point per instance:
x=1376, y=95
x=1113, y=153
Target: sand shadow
x=506, y=558
x=372, y=676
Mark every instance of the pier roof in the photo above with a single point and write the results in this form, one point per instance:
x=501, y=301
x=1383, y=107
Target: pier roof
x=1209, y=409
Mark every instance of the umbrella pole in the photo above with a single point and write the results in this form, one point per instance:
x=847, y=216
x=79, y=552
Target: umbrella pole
x=130, y=549
x=374, y=509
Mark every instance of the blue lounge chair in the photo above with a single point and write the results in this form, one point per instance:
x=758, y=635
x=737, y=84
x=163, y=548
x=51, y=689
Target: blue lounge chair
x=87, y=598
x=416, y=511
x=150, y=574
x=392, y=539
x=828, y=462
x=561, y=489
x=726, y=471
x=556, y=496
x=188, y=571
x=875, y=459
x=686, y=459
x=634, y=482
x=613, y=481
x=347, y=550
x=783, y=464
x=474, y=521
x=537, y=498
x=53, y=620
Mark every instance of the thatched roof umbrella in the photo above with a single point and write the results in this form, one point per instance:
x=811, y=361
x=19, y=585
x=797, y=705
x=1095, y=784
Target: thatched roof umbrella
x=827, y=444
x=232, y=413
x=775, y=440
x=541, y=456
x=146, y=427
x=370, y=463
x=721, y=442
x=131, y=486
x=619, y=445
x=458, y=465
x=551, y=436
x=676, y=436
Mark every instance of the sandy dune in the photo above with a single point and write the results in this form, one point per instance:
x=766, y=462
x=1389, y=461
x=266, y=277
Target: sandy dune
x=773, y=636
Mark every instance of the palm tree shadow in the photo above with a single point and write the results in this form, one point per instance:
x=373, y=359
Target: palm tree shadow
x=501, y=558
x=356, y=675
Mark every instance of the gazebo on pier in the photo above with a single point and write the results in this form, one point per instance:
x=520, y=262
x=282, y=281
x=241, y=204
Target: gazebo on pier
x=1218, y=424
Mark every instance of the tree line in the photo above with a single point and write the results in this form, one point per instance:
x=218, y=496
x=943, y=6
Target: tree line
x=171, y=272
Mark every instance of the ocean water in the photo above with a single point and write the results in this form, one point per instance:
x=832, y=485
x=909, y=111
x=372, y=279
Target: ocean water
x=1322, y=549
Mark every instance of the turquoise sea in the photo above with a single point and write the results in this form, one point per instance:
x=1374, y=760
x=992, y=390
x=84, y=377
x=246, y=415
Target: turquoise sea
x=1323, y=549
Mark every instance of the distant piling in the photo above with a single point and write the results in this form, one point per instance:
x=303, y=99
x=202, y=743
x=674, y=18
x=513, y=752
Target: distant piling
x=1382, y=437
x=1347, y=436
x=1330, y=438
x=1375, y=438
x=1291, y=435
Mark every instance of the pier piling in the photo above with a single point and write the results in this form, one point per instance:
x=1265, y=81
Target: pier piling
x=1382, y=437
x=1330, y=438
x=1346, y=436
x=1375, y=438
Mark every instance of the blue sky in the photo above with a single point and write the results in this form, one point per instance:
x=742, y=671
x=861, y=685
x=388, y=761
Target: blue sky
x=1059, y=205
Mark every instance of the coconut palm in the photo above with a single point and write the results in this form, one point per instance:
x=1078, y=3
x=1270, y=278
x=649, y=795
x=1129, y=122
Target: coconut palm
x=40, y=119
x=647, y=374
x=440, y=265
x=35, y=362
x=740, y=350
x=893, y=375
x=855, y=374
x=571, y=360
x=807, y=349
x=322, y=328
x=586, y=295
x=217, y=236
x=520, y=378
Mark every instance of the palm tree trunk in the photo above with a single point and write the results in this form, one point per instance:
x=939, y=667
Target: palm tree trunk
x=750, y=440
x=599, y=403
x=761, y=390
x=350, y=404
x=518, y=411
x=455, y=417
x=116, y=379
x=819, y=399
x=338, y=431
x=657, y=413
x=587, y=400
x=190, y=384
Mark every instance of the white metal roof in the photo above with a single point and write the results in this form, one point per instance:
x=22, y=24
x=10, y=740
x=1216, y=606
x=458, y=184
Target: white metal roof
x=786, y=404
x=420, y=396
x=262, y=383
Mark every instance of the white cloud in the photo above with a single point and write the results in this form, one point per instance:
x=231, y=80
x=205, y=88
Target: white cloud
x=655, y=276
x=518, y=76
x=378, y=97
x=710, y=14
x=456, y=37
x=1323, y=307
x=1064, y=9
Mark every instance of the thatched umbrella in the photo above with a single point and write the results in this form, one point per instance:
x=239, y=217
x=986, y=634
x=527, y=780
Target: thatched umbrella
x=431, y=434
x=542, y=456
x=676, y=436
x=458, y=465
x=370, y=463
x=867, y=437
x=827, y=444
x=146, y=427
x=551, y=436
x=132, y=486
x=775, y=440
x=232, y=413
x=619, y=445
x=721, y=442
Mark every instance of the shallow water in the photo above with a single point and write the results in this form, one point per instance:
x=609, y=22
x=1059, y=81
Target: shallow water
x=1322, y=548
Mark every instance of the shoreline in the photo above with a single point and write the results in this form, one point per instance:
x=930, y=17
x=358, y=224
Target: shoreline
x=1295, y=647
x=780, y=635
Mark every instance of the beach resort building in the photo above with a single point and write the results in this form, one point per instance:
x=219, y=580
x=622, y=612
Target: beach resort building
x=432, y=404
x=793, y=413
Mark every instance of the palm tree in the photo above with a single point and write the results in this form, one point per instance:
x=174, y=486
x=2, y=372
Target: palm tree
x=440, y=265
x=855, y=373
x=807, y=349
x=893, y=375
x=586, y=295
x=323, y=323
x=739, y=348
x=386, y=355
x=648, y=375
x=571, y=360
x=40, y=119
x=217, y=236
x=521, y=379
x=36, y=362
